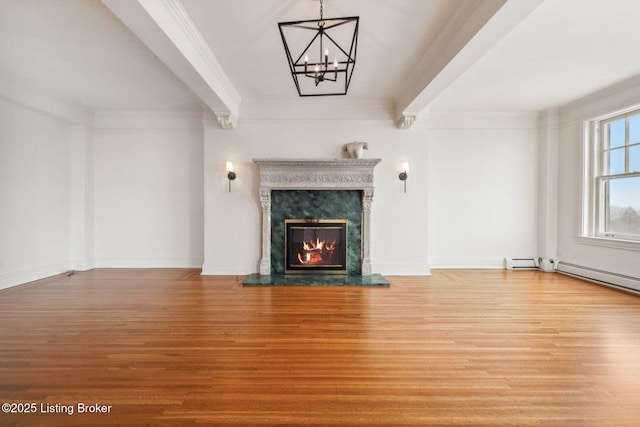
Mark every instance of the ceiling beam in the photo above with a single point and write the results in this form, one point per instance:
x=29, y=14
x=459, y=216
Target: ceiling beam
x=476, y=27
x=166, y=28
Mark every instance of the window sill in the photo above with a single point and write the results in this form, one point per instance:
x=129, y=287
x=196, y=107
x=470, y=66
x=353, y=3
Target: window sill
x=630, y=245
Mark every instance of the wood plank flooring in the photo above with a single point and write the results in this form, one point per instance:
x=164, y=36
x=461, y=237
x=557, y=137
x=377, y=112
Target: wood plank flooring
x=472, y=347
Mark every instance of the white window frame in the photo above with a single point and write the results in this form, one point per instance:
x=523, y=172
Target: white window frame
x=594, y=179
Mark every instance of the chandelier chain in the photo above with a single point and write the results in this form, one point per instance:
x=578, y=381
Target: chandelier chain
x=321, y=17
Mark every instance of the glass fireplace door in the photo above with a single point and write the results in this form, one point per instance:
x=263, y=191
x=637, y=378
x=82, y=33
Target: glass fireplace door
x=316, y=246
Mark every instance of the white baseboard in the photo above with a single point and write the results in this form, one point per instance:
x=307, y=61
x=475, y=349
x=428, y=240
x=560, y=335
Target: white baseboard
x=227, y=269
x=148, y=262
x=20, y=277
x=82, y=265
x=401, y=269
x=470, y=263
x=602, y=277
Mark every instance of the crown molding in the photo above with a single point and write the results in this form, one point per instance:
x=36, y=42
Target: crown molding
x=476, y=120
x=44, y=103
x=611, y=98
x=148, y=120
x=321, y=108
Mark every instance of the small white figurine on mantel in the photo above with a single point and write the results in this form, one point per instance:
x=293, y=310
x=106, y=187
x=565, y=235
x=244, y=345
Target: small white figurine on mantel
x=355, y=150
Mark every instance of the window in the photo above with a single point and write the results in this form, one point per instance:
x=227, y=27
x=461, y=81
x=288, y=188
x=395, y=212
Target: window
x=615, y=181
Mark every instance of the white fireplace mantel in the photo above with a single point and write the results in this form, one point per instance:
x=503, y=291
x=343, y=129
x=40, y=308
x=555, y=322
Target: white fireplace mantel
x=315, y=174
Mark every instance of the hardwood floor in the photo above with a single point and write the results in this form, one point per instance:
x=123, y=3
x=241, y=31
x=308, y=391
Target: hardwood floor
x=169, y=347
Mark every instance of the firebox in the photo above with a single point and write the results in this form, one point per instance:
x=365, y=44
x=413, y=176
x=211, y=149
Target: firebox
x=315, y=246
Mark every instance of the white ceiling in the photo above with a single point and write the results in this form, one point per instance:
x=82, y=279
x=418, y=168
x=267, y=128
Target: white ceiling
x=76, y=50
x=79, y=52
x=244, y=36
x=564, y=50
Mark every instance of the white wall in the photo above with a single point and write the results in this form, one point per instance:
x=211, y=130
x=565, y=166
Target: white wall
x=82, y=199
x=143, y=190
x=148, y=190
x=35, y=195
x=482, y=189
x=548, y=184
x=232, y=227
x=129, y=194
x=470, y=201
x=572, y=249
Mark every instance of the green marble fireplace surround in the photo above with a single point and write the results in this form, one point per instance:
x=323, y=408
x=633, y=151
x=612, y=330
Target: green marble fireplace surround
x=316, y=189
x=317, y=204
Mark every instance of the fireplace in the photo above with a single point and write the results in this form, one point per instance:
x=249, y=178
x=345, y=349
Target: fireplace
x=316, y=246
x=316, y=188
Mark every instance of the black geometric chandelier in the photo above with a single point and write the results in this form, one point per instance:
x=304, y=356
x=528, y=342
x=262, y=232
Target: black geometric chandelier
x=321, y=53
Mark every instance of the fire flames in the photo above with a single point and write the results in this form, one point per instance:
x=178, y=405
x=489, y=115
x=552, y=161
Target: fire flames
x=317, y=252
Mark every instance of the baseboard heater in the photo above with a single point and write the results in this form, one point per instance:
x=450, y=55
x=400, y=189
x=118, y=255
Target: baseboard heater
x=619, y=281
x=521, y=263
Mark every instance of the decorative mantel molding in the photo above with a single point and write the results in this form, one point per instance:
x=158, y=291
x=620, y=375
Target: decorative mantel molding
x=299, y=174
x=315, y=174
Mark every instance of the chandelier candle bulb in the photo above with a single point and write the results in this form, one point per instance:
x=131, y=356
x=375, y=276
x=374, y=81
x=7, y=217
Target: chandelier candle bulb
x=306, y=63
x=326, y=58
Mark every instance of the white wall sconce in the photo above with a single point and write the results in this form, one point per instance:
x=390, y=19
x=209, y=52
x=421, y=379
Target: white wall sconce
x=231, y=175
x=403, y=175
